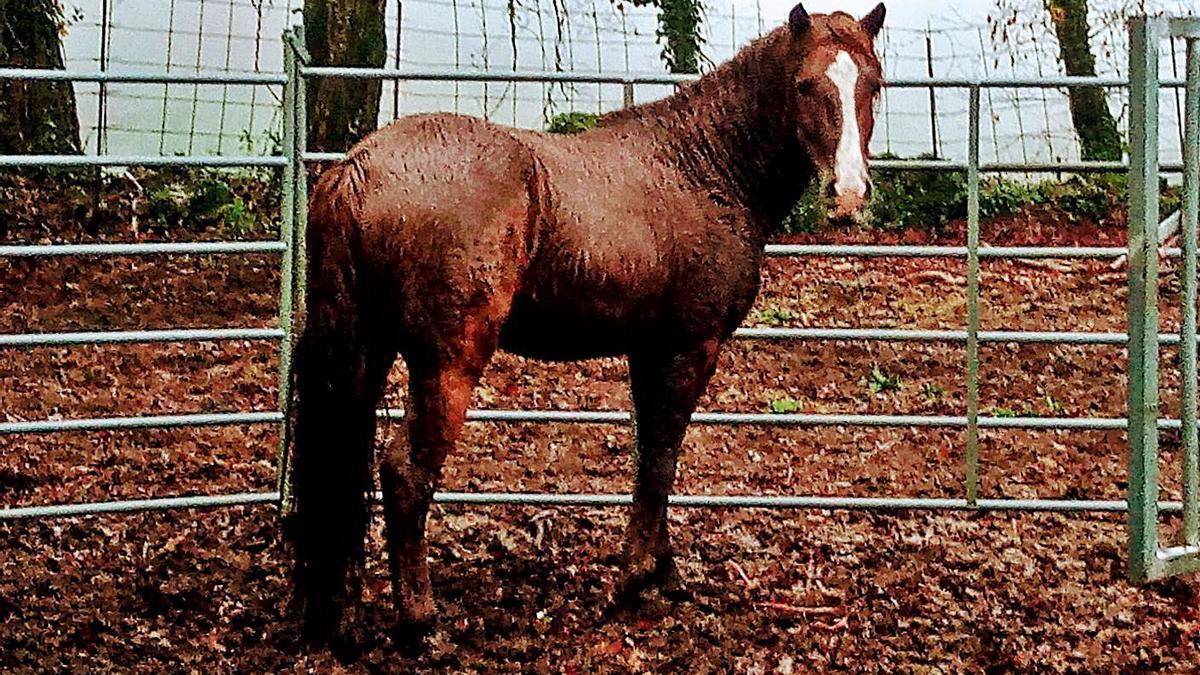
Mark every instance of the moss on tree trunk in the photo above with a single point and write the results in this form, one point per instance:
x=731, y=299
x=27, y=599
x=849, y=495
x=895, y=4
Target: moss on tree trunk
x=343, y=33
x=35, y=116
x=1094, y=123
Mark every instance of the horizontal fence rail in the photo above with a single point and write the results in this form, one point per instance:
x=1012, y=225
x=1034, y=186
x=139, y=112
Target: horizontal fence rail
x=749, y=333
x=553, y=76
x=212, y=161
x=910, y=251
x=141, y=248
x=617, y=417
x=924, y=165
x=921, y=335
x=140, y=422
x=142, y=77
x=131, y=336
x=606, y=500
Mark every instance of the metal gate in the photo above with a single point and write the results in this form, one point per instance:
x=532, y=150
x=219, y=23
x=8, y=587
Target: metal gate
x=1143, y=505
x=1148, y=560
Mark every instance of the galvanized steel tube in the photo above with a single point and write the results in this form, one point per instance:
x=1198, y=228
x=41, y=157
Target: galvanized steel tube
x=140, y=248
x=133, y=336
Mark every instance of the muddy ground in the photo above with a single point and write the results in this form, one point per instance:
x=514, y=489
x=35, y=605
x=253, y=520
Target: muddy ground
x=524, y=589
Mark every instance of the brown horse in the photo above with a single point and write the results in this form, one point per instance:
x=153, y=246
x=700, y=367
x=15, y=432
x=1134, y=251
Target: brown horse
x=443, y=238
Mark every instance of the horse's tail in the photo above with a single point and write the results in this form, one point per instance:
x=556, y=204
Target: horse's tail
x=334, y=424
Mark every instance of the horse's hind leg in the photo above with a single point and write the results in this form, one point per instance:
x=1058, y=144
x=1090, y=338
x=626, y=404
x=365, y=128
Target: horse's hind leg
x=439, y=393
x=666, y=387
x=341, y=377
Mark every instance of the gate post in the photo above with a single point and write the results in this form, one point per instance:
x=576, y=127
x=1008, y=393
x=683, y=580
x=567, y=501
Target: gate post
x=1144, y=38
x=294, y=221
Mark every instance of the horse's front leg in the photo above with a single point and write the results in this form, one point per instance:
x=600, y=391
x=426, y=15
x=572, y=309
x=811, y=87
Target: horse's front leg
x=409, y=474
x=666, y=385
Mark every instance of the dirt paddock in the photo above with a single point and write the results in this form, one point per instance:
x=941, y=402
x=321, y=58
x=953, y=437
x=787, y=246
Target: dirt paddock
x=524, y=589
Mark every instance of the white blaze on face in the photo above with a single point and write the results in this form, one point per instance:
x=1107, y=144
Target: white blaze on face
x=850, y=168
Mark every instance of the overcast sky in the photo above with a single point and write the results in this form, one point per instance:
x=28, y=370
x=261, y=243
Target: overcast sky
x=907, y=13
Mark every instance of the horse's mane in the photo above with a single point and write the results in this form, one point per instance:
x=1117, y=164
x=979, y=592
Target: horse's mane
x=723, y=77
x=729, y=129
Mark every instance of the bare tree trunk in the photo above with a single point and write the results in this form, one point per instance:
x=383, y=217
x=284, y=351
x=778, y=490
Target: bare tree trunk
x=343, y=33
x=35, y=116
x=1094, y=123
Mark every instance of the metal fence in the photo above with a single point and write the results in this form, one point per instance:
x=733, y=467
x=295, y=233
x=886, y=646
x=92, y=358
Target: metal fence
x=1148, y=560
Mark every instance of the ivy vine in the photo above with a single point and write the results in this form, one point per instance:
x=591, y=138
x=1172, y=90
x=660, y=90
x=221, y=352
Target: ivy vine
x=679, y=32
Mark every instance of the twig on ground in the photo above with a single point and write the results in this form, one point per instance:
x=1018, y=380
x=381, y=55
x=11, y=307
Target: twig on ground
x=741, y=573
x=841, y=623
x=798, y=609
x=936, y=275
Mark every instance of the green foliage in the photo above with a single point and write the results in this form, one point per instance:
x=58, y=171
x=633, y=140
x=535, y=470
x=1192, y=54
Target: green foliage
x=1001, y=197
x=809, y=214
x=572, y=122
x=204, y=201
x=776, y=316
x=932, y=391
x=926, y=200
x=880, y=382
x=1005, y=412
x=931, y=200
x=1054, y=405
x=679, y=28
x=271, y=142
x=1093, y=196
x=168, y=206
x=679, y=32
x=785, y=405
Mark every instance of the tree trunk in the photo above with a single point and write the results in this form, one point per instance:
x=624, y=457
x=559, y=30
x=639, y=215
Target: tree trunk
x=343, y=33
x=1094, y=123
x=36, y=117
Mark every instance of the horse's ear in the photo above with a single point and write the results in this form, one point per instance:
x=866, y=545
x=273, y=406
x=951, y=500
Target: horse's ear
x=799, y=20
x=873, y=22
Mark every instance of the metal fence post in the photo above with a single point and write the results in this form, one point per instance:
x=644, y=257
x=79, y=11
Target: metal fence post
x=1190, y=212
x=296, y=220
x=300, y=219
x=972, y=461
x=1145, y=35
x=287, y=269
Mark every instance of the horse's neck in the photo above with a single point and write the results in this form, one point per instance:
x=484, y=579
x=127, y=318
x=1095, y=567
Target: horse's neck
x=735, y=141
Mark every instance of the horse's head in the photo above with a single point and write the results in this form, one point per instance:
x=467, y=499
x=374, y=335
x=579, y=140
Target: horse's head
x=835, y=84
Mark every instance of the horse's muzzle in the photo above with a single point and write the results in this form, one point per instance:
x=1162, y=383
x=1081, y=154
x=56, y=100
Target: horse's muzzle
x=849, y=205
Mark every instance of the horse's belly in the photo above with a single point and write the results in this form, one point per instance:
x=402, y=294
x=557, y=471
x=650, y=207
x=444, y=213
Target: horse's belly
x=559, y=332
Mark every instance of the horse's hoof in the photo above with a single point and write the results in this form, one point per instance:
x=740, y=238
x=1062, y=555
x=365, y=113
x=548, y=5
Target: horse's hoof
x=669, y=583
x=675, y=591
x=627, y=596
x=410, y=635
x=320, y=624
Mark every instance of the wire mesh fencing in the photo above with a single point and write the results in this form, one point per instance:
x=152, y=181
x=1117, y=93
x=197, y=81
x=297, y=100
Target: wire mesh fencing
x=242, y=36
